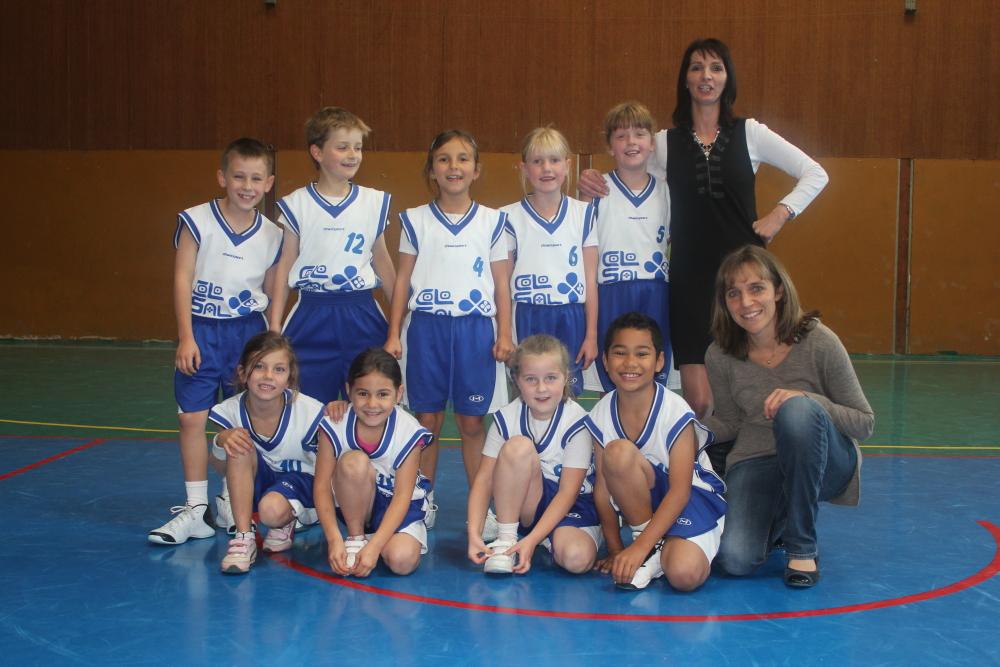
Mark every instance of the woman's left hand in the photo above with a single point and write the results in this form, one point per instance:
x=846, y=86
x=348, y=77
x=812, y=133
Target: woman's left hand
x=769, y=226
x=777, y=399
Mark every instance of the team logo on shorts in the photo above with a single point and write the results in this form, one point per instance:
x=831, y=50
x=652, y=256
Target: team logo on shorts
x=476, y=398
x=683, y=521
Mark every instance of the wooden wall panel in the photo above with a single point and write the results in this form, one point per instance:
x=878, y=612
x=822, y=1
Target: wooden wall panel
x=954, y=289
x=855, y=78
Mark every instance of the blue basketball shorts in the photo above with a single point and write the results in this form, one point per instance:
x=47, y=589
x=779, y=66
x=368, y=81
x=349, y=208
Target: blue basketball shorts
x=450, y=359
x=651, y=297
x=328, y=330
x=582, y=514
x=295, y=486
x=221, y=343
x=701, y=514
x=566, y=322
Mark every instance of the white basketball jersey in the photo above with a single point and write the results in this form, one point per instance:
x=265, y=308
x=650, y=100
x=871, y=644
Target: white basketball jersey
x=402, y=435
x=667, y=417
x=292, y=448
x=548, y=254
x=633, y=232
x=566, y=441
x=452, y=275
x=229, y=268
x=335, y=240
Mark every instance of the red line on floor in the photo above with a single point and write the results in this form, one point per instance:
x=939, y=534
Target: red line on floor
x=990, y=570
x=55, y=457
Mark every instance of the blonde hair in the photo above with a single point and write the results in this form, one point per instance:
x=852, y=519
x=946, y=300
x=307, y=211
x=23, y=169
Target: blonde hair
x=626, y=115
x=544, y=141
x=328, y=119
x=539, y=345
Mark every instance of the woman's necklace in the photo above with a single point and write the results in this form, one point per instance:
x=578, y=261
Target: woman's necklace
x=706, y=149
x=774, y=353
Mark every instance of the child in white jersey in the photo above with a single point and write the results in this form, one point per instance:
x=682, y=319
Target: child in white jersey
x=633, y=230
x=651, y=461
x=367, y=473
x=453, y=278
x=553, y=253
x=223, y=273
x=537, y=465
x=335, y=256
x=269, y=443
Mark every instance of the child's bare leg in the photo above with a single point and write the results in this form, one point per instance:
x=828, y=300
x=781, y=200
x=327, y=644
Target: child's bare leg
x=194, y=445
x=684, y=563
x=517, y=481
x=240, y=474
x=629, y=477
x=573, y=549
x=354, y=489
x=473, y=434
x=402, y=553
x=433, y=422
x=274, y=510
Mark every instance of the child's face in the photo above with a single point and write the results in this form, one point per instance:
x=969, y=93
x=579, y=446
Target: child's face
x=373, y=397
x=245, y=181
x=632, y=361
x=541, y=381
x=340, y=155
x=545, y=173
x=454, y=167
x=268, y=378
x=631, y=148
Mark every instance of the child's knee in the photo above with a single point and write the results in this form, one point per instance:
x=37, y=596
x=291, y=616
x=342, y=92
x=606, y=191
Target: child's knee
x=687, y=576
x=519, y=451
x=356, y=467
x=575, y=556
x=401, y=558
x=274, y=510
x=619, y=456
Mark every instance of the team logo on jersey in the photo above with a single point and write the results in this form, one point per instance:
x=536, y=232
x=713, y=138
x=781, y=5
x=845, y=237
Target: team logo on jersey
x=243, y=303
x=311, y=278
x=618, y=266
x=350, y=280
x=572, y=287
x=476, y=302
x=658, y=266
x=434, y=301
x=206, y=298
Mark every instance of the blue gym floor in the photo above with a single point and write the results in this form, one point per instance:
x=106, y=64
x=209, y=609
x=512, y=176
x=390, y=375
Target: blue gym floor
x=90, y=464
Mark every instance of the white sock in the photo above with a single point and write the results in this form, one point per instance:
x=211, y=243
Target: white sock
x=637, y=529
x=197, y=492
x=507, y=532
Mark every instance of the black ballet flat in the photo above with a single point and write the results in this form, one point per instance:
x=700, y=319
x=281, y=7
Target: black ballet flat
x=801, y=578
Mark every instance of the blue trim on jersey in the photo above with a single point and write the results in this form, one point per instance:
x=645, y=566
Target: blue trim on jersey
x=638, y=199
x=287, y=212
x=542, y=443
x=675, y=431
x=333, y=209
x=588, y=221
x=235, y=238
x=651, y=418
x=383, y=445
x=277, y=256
x=331, y=433
x=498, y=230
x=411, y=235
x=184, y=219
x=219, y=419
x=548, y=225
x=422, y=436
x=383, y=214
x=594, y=430
x=501, y=425
x=457, y=227
x=268, y=444
x=580, y=425
x=309, y=442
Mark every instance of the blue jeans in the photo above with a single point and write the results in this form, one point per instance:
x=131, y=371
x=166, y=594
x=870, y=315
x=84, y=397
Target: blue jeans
x=778, y=496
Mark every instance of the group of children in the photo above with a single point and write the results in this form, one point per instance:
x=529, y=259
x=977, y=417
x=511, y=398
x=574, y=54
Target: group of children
x=534, y=287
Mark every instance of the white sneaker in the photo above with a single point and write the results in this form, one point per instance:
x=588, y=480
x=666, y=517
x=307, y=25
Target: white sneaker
x=651, y=569
x=432, y=509
x=241, y=554
x=491, y=527
x=188, y=522
x=353, y=546
x=499, y=562
x=280, y=539
x=224, y=514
